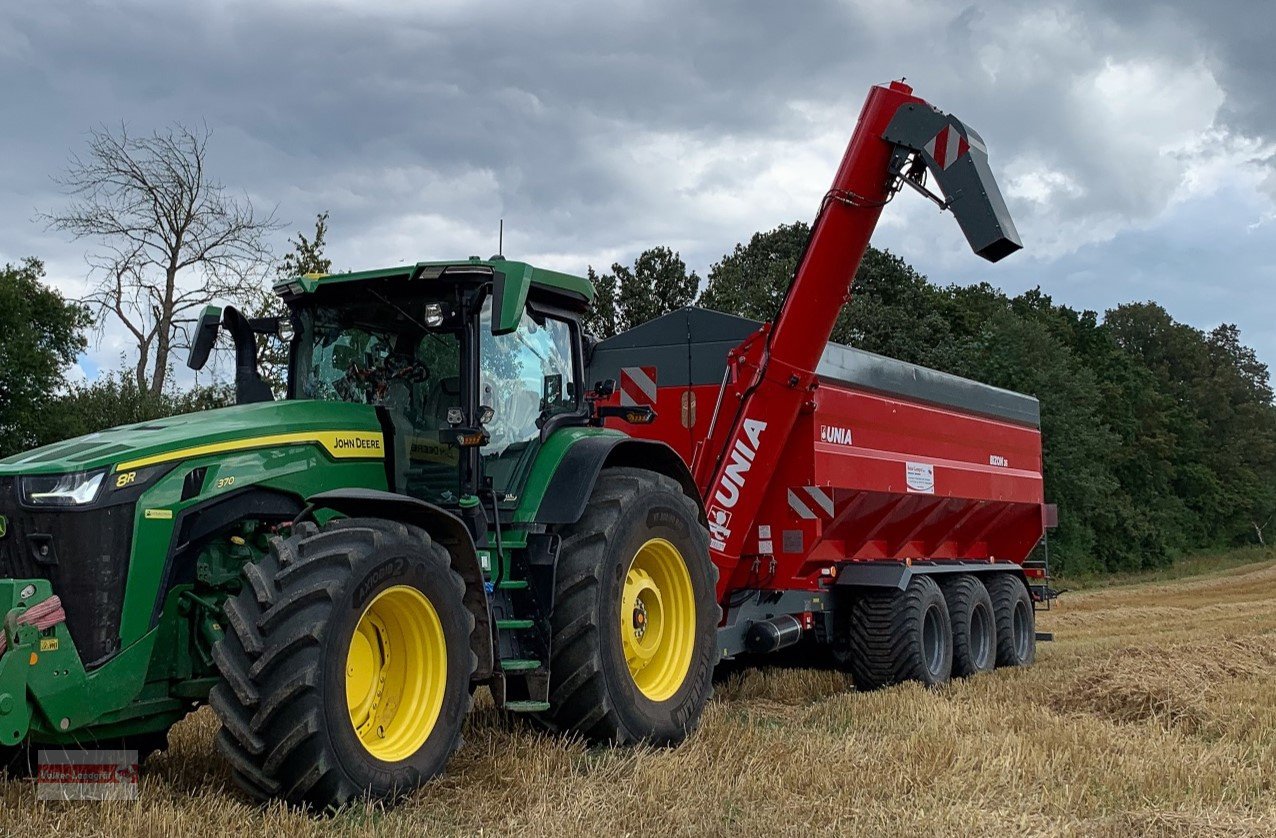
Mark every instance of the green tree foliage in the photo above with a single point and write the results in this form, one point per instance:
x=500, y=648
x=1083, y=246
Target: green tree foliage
x=657, y=284
x=115, y=399
x=40, y=335
x=751, y=280
x=1158, y=437
x=307, y=256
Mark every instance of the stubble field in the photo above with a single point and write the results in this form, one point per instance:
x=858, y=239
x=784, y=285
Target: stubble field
x=1152, y=713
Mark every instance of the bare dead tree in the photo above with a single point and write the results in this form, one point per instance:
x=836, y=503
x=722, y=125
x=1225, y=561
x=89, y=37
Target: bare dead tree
x=1258, y=529
x=171, y=238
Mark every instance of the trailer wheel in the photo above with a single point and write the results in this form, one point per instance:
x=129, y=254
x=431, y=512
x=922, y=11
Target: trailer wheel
x=635, y=614
x=974, y=625
x=345, y=665
x=899, y=636
x=1016, y=620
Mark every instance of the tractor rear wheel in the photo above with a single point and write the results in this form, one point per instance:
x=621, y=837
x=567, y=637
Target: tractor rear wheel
x=635, y=614
x=1016, y=620
x=974, y=626
x=897, y=636
x=346, y=665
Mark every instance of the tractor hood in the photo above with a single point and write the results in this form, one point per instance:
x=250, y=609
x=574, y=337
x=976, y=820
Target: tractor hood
x=343, y=429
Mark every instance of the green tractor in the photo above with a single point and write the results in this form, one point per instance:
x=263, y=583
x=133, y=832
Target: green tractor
x=434, y=506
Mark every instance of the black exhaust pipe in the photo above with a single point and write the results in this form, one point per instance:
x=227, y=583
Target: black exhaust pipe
x=773, y=634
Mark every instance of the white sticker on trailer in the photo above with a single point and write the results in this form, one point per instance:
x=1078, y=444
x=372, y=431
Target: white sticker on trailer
x=920, y=477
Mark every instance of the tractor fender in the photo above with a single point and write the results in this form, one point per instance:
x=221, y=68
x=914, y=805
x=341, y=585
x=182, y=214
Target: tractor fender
x=446, y=529
x=569, y=489
x=197, y=523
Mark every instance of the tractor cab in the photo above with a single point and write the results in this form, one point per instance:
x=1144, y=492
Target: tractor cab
x=469, y=366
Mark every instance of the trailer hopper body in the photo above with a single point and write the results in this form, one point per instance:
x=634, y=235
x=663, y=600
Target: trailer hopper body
x=887, y=461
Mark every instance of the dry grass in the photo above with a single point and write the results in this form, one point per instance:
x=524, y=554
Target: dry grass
x=1153, y=713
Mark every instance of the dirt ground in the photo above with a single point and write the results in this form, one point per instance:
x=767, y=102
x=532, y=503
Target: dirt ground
x=1152, y=713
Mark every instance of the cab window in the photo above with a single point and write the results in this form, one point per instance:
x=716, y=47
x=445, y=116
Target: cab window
x=526, y=377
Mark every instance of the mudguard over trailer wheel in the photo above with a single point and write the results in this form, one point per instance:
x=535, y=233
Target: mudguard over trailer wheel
x=897, y=636
x=345, y=666
x=1016, y=620
x=635, y=614
x=974, y=625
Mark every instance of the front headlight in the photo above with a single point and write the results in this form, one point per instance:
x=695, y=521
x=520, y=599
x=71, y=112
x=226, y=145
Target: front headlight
x=78, y=489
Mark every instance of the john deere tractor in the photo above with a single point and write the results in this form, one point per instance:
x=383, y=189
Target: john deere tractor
x=434, y=506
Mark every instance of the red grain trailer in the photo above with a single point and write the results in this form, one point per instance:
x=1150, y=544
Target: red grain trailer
x=885, y=508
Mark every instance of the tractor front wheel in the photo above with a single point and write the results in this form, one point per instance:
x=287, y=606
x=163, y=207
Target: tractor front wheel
x=635, y=614
x=346, y=665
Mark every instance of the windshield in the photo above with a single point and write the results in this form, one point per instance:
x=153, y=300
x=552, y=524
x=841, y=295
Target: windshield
x=381, y=353
x=374, y=349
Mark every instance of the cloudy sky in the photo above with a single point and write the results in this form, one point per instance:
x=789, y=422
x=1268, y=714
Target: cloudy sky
x=1135, y=141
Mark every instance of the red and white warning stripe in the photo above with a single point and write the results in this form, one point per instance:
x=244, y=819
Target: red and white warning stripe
x=946, y=146
x=811, y=503
x=637, y=386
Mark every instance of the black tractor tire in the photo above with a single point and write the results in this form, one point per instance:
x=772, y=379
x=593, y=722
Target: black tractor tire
x=592, y=690
x=974, y=625
x=1016, y=619
x=22, y=761
x=286, y=728
x=898, y=636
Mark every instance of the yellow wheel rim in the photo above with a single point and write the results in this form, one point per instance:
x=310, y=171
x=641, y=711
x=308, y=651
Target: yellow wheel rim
x=658, y=619
x=396, y=672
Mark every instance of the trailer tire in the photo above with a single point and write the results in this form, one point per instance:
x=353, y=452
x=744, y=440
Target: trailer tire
x=898, y=636
x=315, y=705
x=640, y=546
x=1016, y=620
x=974, y=625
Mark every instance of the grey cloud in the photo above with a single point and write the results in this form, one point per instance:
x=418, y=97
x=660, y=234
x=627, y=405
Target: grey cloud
x=418, y=125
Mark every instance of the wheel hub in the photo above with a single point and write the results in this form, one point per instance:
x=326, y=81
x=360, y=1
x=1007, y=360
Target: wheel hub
x=646, y=606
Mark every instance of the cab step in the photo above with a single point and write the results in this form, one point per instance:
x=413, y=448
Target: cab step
x=513, y=584
x=527, y=706
x=519, y=664
x=514, y=624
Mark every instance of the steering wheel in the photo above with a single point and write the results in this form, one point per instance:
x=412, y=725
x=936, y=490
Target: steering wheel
x=375, y=380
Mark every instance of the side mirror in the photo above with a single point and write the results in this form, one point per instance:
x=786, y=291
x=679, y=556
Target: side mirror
x=210, y=321
x=552, y=389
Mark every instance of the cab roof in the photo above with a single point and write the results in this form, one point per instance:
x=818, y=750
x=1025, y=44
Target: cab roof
x=512, y=282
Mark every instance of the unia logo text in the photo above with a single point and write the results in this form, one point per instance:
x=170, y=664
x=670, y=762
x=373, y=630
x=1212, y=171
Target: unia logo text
x=832, y=433
x=727, y=493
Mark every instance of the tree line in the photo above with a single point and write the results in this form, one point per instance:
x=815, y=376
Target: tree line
x=1159, y=438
